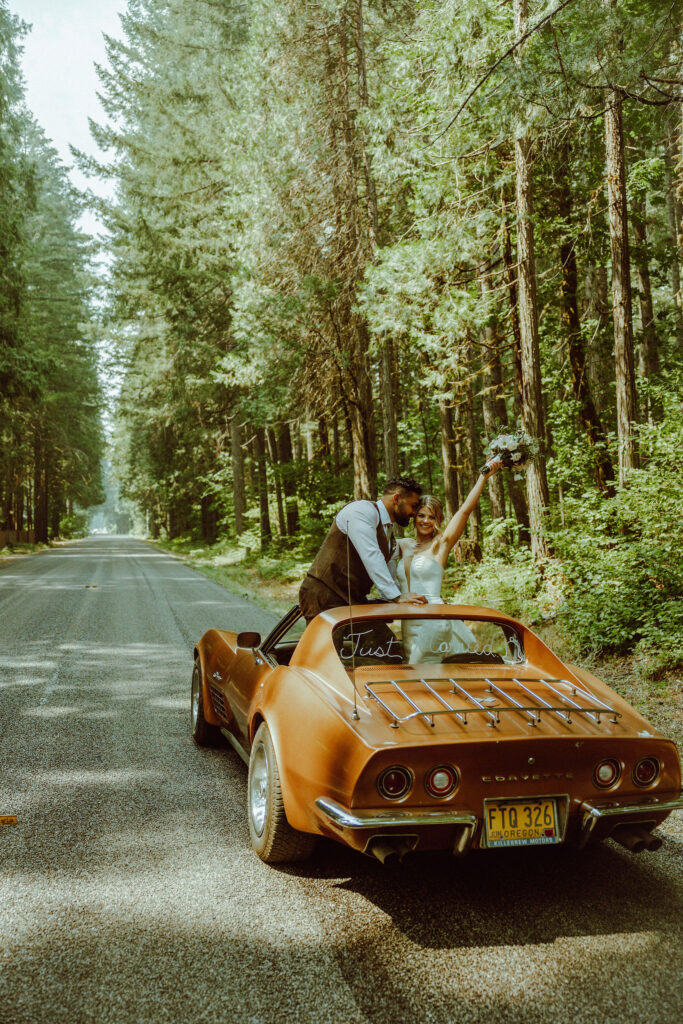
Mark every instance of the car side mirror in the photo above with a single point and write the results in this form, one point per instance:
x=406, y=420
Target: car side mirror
x=248, y=639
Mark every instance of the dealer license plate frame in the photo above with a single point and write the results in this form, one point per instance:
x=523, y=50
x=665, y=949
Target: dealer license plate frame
x=494, y=832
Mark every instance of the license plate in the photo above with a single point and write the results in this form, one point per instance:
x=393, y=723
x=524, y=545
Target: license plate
x=521, y=822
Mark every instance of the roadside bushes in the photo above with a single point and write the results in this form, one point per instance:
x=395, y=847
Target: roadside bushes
x=74, y=524
x=623, y=557
x=510, y=584
x=615, y=583
x=625, y=571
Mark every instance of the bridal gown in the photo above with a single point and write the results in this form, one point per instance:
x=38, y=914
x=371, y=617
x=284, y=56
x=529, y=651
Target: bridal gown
x=430, y=641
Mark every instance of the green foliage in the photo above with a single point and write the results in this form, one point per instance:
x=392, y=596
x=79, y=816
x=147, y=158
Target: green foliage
x=508, y=584
x=310, y=249
x=622, y=558
x=615, y=586
x=74, y=525
x=51, y=438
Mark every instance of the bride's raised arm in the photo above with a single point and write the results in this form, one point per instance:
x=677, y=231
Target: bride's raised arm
x=456, y=527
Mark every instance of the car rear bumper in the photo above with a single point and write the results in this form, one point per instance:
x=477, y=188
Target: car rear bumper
x=599, y=821
x=403, y=818
x=593, y=822
x=355, y=826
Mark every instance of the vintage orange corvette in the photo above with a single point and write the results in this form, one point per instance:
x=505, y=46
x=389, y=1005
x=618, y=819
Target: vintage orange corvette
x=488, y=741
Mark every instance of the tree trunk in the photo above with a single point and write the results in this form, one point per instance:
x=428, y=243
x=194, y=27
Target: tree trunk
x=511, y=281
x=370, y=190
x=468, y=456
x=352, y=245
x=288, y=470
x=389, y=416
x=449, y=458
x=29, y=503
x=323, y=437
x=621, y=286
x=336, y=445
x=155, y=523
x=40, y=498
x=673, y=209
x=19, y=508
x=348, y=431
x=425, y=435
x=209, y=519
x=277, y=476
x=308, y=435
x=474, y=458
x=7, y=521
x=533, y=420
x=515, y=492
x=362, y=417
x=237, y=458
x=490, y=400
x=56, y=510
x=648, y=356
x=496, y=487
x=262, y=485
x=588, y=414
x=295, y=440
x=599, y=357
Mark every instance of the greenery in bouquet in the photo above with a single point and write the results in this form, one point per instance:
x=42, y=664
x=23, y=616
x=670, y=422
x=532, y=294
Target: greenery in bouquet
x=515, y=449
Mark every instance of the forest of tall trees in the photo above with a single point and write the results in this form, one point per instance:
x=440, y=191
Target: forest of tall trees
x=356, y=238
x=51, y=437
x=352, y=239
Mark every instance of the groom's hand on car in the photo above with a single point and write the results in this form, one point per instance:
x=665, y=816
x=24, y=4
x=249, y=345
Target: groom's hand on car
x=410, y=598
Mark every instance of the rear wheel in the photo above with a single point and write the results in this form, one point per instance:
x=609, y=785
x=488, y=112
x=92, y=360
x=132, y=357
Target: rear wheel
x=272, y=837
x=204, y=734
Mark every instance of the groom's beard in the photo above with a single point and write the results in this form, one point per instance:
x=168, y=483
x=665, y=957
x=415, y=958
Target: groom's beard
x=402, y=519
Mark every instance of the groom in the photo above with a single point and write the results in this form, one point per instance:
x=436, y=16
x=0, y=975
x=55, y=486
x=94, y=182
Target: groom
x=356, y=552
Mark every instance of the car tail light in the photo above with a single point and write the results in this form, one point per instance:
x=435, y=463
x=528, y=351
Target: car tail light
x=442, y=780
x=395, y=782
x=646, y=771
x=606, y=773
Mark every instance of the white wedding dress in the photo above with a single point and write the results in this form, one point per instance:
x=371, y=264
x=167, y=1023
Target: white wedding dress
x=429, y=641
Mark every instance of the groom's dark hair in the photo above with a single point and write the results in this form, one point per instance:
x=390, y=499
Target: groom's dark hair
x=402, y=483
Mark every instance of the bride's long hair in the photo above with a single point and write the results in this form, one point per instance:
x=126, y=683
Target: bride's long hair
x=435, y=506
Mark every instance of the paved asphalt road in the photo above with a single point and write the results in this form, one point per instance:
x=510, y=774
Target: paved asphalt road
x=129, y=891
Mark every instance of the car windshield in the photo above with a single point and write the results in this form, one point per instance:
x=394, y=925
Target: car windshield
x=424, y=641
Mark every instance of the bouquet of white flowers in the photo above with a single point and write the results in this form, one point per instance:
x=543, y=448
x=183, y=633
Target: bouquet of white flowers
x=515, y=449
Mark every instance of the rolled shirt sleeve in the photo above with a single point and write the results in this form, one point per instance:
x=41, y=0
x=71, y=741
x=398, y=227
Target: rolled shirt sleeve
x=359, y=521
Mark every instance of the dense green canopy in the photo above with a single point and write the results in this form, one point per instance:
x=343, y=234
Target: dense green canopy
x=352, y=239
x=51, y=438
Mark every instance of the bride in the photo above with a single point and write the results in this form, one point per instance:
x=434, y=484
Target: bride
x=421, y=567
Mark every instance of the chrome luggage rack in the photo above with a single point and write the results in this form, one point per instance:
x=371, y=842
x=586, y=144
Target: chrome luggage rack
x=532, y=712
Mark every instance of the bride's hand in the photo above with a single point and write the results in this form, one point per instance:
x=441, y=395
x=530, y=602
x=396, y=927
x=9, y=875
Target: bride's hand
x=491, y=467
x=411, y=598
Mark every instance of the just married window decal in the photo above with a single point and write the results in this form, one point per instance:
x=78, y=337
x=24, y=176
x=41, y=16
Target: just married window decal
x=426, y=641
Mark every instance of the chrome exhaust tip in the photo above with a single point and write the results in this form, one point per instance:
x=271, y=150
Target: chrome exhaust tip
x=653, y=842
x=635, y=838
x=384, y=851
x=391, y=849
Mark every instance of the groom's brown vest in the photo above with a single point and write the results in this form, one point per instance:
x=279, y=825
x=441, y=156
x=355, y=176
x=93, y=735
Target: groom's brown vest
x=337, y=573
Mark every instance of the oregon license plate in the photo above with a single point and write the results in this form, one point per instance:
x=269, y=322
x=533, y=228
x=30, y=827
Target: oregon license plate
x=521, y=822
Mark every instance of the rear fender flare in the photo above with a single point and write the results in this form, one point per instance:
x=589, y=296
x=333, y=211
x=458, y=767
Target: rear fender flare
x=304, y=770
x=296, y=811
x=209, y=713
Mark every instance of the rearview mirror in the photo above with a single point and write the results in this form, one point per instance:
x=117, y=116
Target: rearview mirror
x=248, y=639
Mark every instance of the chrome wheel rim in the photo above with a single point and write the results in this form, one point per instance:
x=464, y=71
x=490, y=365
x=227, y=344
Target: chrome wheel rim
x=258, y=789
x=194, y=703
